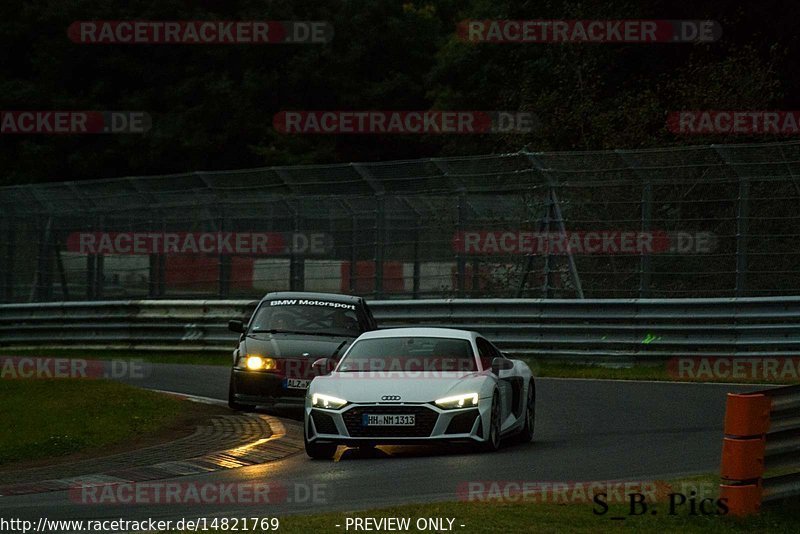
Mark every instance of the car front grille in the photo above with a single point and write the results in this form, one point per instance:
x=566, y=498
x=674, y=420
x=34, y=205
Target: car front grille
x=424, y=418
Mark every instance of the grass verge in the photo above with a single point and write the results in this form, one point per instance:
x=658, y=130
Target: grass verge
x=46, y=420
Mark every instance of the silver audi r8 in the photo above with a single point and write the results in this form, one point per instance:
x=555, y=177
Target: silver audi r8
x=412, y=385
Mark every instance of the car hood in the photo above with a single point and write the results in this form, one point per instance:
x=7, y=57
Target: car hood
x=410, y=387
x=296, y=346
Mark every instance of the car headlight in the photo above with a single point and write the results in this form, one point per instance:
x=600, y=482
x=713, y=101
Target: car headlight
x=256, y=363
x=466, y=400
x=326, y=401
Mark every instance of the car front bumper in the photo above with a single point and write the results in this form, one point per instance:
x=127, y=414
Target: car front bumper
x=265, y=389
x=346, y=425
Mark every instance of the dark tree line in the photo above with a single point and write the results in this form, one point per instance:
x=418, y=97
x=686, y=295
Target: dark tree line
x=212, y=105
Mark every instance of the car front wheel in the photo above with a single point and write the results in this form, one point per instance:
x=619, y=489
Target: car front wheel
x=526, y=434
x=319, y=451
x=492, y=442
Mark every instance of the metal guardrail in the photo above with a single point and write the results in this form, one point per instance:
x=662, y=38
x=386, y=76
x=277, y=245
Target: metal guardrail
x=761, y=449
x=604, y=329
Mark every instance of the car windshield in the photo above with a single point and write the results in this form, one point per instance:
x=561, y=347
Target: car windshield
x=410, y=354
x=318, y=317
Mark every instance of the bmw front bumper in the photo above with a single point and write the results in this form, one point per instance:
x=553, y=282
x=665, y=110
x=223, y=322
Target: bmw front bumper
x=265, y=389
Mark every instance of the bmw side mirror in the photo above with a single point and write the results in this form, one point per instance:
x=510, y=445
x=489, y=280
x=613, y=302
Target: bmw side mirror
x=501, y=364
x=236, y=326
x=323, y=366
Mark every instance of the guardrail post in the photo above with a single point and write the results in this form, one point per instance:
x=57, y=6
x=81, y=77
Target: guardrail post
x=743, y=448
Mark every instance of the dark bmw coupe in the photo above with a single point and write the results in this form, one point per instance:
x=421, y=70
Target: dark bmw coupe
x=288, y=331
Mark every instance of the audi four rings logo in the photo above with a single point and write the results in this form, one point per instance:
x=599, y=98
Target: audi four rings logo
x=390, y=397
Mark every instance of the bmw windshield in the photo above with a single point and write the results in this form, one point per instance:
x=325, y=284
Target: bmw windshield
x=315, y=317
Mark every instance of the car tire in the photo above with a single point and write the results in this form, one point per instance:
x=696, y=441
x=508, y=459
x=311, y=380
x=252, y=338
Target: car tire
x=319, y=451
x=526, y=434
x=232, y=404
x=492, y=442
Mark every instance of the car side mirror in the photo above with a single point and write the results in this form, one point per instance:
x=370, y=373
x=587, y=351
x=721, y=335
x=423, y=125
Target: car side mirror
x=501, y=364
x=236, y=326
x=323, y=366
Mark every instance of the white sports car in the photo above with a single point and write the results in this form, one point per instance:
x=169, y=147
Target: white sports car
x=412, y=385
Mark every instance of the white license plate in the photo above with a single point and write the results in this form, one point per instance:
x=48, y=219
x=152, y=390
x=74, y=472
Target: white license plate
x=297, y=383
x=387, y=420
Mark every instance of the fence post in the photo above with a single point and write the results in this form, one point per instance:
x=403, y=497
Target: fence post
x=742, y=229
x=461, y=261
x=559, y=219
x=353, y=255
x=416, y=276
x=297, y=264
x=645, y=261
x=8, y=278
x=380, y=238
x=224, y=272
x=43, y=278
x=742, y=223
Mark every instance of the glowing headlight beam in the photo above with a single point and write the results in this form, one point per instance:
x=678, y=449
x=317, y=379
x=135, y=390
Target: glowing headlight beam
x=326, y=401
x=466, y=400
x=255, y=362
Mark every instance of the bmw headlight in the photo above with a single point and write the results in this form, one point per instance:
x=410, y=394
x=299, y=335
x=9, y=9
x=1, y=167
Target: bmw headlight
x=466, y=400
x=318, y=400
x=255, y=362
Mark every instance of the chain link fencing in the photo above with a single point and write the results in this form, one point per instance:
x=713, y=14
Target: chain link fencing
x=699, y=221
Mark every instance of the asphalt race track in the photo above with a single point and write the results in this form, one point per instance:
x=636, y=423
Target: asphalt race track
x=585, y=430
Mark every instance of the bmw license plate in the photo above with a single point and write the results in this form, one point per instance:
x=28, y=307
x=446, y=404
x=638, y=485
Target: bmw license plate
x=296, y=383
x=387, y=420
